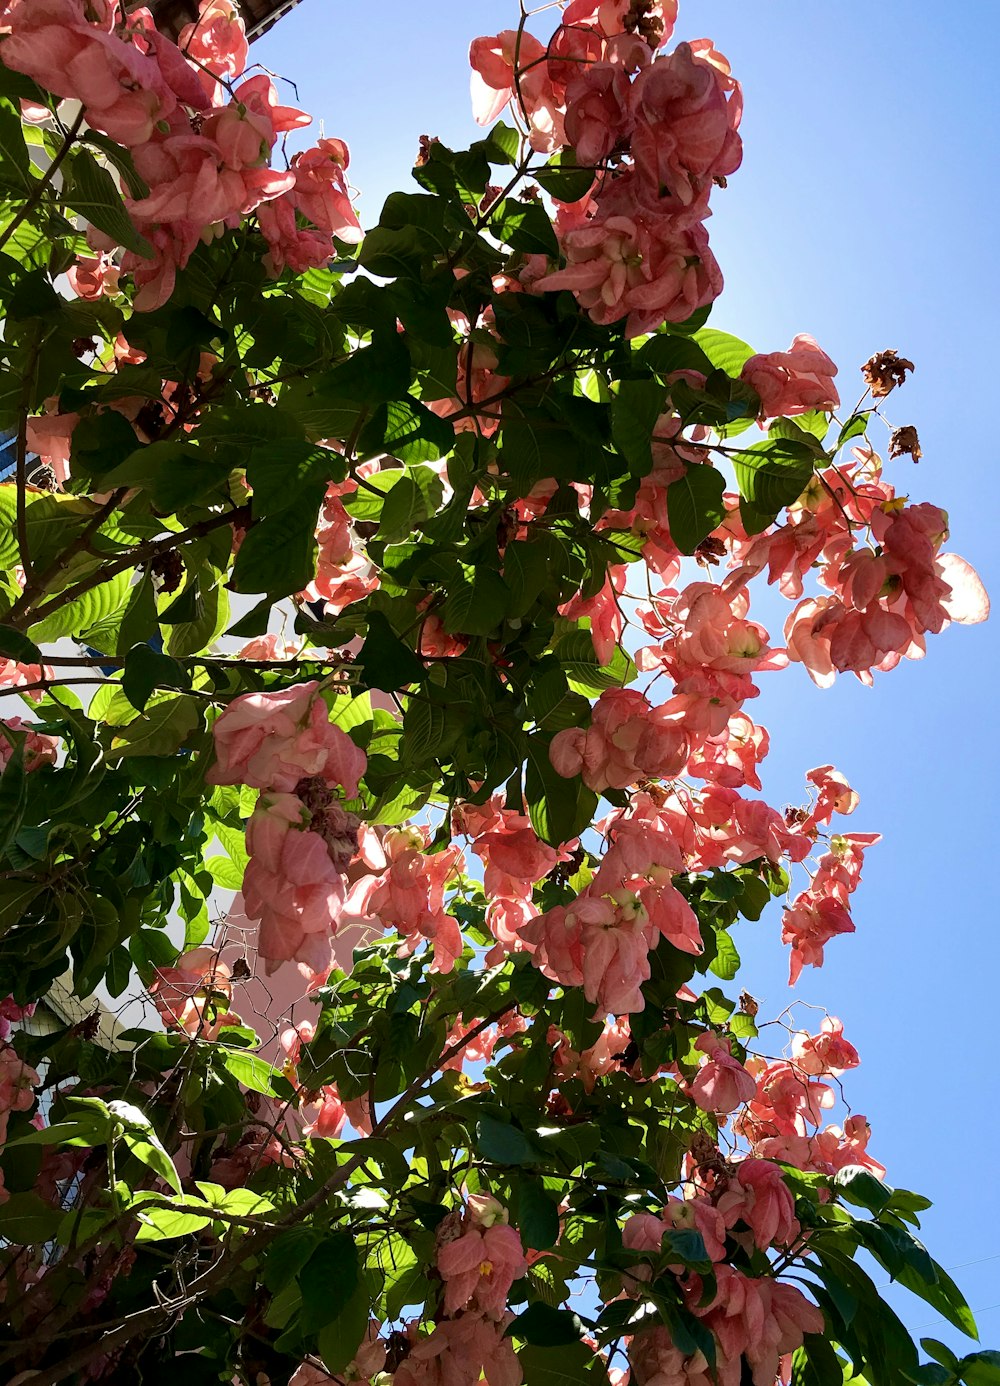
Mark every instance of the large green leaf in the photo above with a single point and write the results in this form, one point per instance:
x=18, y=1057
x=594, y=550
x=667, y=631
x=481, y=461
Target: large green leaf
x=695, y=506
x=93, y=194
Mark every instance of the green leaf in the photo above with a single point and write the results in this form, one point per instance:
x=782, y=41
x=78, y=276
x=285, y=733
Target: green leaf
x=93, y=194
x=209, y=620
x=858, y=1186
x=387, y=663
x=138, y=621
x=526, y=572
x=695, y=506
x=773, y=474
x=537, y=1214
x=575, y=1364
x=148, y=1148
x=981, y=1368
x=542, y=1325
x=524, y=226
x=563, y=178
x=415, y=497
x=816, y=1364
x=634, y=412
x=15, y=645
x=13, y=792
x=254, y=1073
x=477, y=604
x=328, y=1280
x=504, y=1144
x=164, y=1224
x=726, y=353
x=161, y=731
x=278, y=553
x=575, y=652
x=27, y=1220
x=90, y=609
x=146, y=669
x=560, y=809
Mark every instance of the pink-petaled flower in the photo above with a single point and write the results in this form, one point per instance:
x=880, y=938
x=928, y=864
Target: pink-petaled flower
x=293, y=884
x=246, y=129
x=17, y=1079
x=759, y=1197
x=827, y=1052
x=39, y=749
x=493, y=61
x=11, y=1011
x=216, y=43
x=604, y=612
x=627, y=740
x=50, y=435
x=479, y=1267
x=460, y=1352
x=598, y=118
x=833, y=794
x=93, y=277
x=321, y=190
x=622, y=267
x=722, y=1083
x=194, y=994
x=273, y=740
x=793, y=381
x=269, y=648
x=809, y=923
x=686, y=111
x=15, y=675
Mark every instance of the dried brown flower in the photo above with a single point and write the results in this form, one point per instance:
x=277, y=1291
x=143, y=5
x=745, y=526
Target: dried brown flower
x=884, y=371
x=905, y=440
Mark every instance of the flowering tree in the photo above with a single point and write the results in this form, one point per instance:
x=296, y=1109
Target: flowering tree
x=401, y=583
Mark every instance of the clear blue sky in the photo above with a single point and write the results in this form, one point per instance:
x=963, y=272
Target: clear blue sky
x=864, y=213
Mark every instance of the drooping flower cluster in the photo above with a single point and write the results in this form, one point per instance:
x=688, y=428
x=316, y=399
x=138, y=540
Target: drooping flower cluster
x=201, y=145
x=300, y=837
x=658, y=129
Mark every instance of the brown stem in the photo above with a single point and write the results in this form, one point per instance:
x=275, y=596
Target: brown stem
x=142, y=553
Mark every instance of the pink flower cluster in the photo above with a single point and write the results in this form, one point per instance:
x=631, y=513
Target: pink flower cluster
x=757, y=1319
x=793, y=381
x=783, y=1118
x=515, y=859
x=602, y=940
x=660, y=130
x=202, y=146
x=343, y=573
x=628, y=740
x=403, y=888
x=300, y=839
x=479, y=1258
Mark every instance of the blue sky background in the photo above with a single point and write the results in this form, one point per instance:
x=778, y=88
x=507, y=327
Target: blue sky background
x=864, y=213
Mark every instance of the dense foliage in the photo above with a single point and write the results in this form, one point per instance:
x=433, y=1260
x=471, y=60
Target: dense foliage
x=378, y=611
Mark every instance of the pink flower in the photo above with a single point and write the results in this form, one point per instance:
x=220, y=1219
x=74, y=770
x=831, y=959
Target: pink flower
x=598, y=118
x=50, y=435
x=620, y=267
x=687, y=112
x=809, y=923
x=827, y=1052
x=294, y=883
x=628, y=740
x=479, y=1267
x=39, y=749
x=217, y=43
x=193, y=995
x=14, y=675
x=16, y=1082
x=793, y=381
x=722, y=1083
x=760, y=1198
x=92, y=278
x=273, y=740
x=460, y=1352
